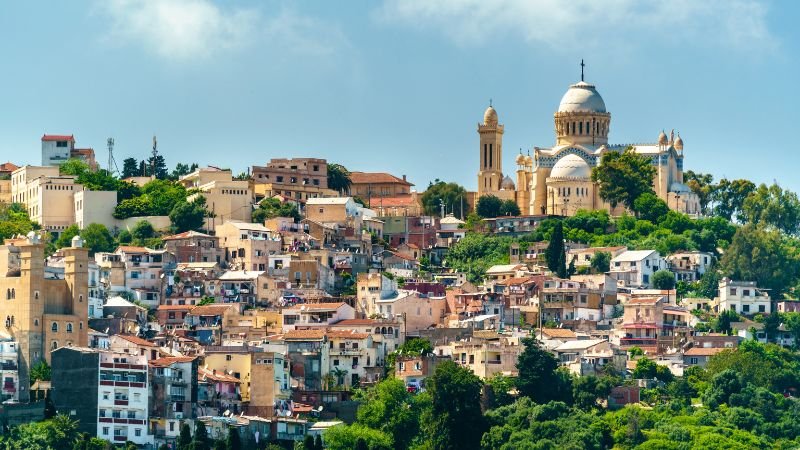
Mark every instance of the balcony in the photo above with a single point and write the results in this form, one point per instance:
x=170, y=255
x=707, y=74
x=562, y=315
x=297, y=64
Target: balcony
x=346, y=351
x=8, y=366
x=638, y=341
x=120, y=438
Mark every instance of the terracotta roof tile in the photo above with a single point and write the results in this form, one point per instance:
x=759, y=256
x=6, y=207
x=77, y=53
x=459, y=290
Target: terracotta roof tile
x=170, y=360
x=215, y=375
x=316, y=306
x=376, y=177
x=394, y=201
x=132, y=249
x=58, y=137
x=305, y=334
x=215, y=309
x=175, y=307
x=136, y=340
x=559, y=333
x=346, y=334
x=703, y=351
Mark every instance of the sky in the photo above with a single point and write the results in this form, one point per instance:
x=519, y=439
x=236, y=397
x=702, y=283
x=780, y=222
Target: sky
x=399, y=86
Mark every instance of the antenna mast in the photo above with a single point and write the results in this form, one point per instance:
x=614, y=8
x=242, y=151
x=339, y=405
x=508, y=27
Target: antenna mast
x=112, y=163
x=155, y=155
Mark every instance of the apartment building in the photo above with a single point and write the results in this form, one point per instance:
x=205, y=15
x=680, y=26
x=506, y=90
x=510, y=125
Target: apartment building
x=226, y=198
x=248, y=245
x=743, y=297
x=173, y=395
x=689, y=266
x=635, y=268
x=106, y=392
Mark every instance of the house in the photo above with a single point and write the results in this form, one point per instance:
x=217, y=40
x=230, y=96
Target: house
x=173, y=395
x=589, y=356
x=582, y=257
x=371, y=287
x=487, y=355
x=743, y=297
x=789, y=306
x=450, y=231
x=193, y=246
x=119, y=307
x=133, y=345
x=353, y=357
x=246, y=287
x=501, y=272
x=635, y=268
x=217, y=392
x=171, y=317
x=105, y=392
x=417, y=311
x=292, y=178
x=653, y=324
x=413, y=370
x=227, y=198
x=315, y=315
x=699, y=356
x=248, y=245
x=689, y=266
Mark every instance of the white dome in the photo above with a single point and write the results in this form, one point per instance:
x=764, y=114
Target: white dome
x=678, y=143
x=582, y=97
x=571, y=167
x=662, y=138
x=490, y=116
x=508, y=184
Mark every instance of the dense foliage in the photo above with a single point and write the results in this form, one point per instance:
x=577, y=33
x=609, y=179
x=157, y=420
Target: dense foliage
x=451, y=195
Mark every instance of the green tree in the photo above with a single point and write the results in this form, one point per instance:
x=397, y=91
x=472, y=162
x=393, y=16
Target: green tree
x=233, y=441
x=308, y=442
x=65, y=238
x=97, y=238
x=271, y=207
x=158, y=166
x=649, y=369
x=130, y=168
x=488, y=206
x=201, y=439
x=73, y=166
x=555, y=254
x=722, y=323
x=773, y=206
x=503, y=388
x=346, y=437
x=40, y=372
x=142, y=231
x=589, y=391
x=509, y=208
x=664, y=279
x=702, y=185
x=456, y=418
x=452, y=195
x=624, y=176
x=601, y=262
x=729, y=197
x=539, y=377
x=318, y=442
x=339, y=178
x=761, y=255
x=184, y=441
x=187, y=216
x=649, y=206
x=181, y=169
x=708, y=285
x=390, y=408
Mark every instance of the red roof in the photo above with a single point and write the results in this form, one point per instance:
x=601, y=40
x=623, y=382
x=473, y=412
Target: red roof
x=214, y=309
x=376, y=177
x=132, y=249
x=136, y=340
x=703, y=351
x=214, y=375
x=170, y=360
x=8, y=167
x=304, y=334
x=394, y=201
x=175, y=307
x=58, y=137
x=184, y=235
x=346, y=334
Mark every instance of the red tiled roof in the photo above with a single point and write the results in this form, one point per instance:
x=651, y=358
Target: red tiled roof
x=514, y=281
x=210, y=374
x=643, y=301
x=184, y=235
x=304, y=334
x=702, y=351
x=136, y=340
x=346, y=334
x=175, y=307
x=170, y=360
x=376, y=177
x=355, y=322
x=8, y=167
x=559, y=332
x=211, y=310
x=132, y=249
x=58, y=137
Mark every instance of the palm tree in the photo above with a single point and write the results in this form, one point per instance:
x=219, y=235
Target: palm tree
x=338, y=178
x=339, y=374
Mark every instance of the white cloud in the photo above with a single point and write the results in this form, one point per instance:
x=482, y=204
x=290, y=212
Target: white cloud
x=596, y=24
x=184, y=30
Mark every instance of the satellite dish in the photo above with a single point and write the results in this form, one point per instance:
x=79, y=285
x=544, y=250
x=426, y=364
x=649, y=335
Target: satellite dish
x=226, y=413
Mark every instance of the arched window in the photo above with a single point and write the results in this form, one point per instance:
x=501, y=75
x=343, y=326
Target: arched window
x=8, y=294
x=54, y=327
x=80, y=325
x=36, y=322
x=377, y=330
x=69, y=328
x=580, y=127
x=383, y=330
x=80, y=298
x=54, y=345
x=390, y=330
x=13, y=293
x=36, y=295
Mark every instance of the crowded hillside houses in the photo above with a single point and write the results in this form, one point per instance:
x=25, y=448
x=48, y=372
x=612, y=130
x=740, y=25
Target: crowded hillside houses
x=267, y=326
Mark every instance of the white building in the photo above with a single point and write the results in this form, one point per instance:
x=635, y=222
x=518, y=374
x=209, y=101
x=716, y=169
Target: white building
x=310, y=315
x=742, y=297
x=635, y=268
x=9, y=370
x=689, y=266
x=56, y=149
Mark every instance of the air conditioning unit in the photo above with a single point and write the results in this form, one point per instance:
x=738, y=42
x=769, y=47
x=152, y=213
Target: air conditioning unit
x=179, y=415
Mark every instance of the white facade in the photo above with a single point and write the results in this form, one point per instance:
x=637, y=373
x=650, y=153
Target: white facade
x=95, y=207
x=743, y=297
x=635, y=268
x=56, y=149
x=9, y=371
x=689, y=266
x=96, y=292
x=122, y=402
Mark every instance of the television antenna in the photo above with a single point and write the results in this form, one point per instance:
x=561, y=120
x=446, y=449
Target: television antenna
x=112, y=163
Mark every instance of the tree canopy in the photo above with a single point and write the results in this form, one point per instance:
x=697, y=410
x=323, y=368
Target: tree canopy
x=452, y=195
x=623, y=176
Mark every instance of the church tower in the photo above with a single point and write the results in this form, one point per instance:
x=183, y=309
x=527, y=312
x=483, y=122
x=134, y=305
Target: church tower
x=490, y=173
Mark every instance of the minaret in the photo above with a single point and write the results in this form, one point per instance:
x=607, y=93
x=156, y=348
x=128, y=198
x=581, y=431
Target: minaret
x=490, y=171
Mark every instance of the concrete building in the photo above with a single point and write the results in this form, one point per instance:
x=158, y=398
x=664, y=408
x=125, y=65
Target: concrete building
x=297, y=179
x=106, y=392
x=635, y=268
x=743, y=297
x=173, y=395
x=689, y=266
x=226, y=198
x=95, y=207
x=653, y=324
x=486, y=356
x=43, y=314
x=248, y=245
x=9, y=369
x=193, y=246
x=315, y=315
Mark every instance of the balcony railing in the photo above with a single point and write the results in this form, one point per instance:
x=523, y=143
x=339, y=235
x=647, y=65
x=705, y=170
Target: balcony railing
x=646, y=341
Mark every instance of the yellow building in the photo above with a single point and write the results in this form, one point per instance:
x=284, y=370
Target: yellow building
x=226, y=198
x=43, y=314
x=248, y=245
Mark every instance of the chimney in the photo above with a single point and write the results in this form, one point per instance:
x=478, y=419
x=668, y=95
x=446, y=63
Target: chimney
x=404, y=178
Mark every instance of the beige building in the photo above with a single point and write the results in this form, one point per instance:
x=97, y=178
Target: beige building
x=226, y=198
x=292, y=178
x=557, y=180
x=248, y=245
x=47, y=196
x=95, y=207
x=339, y=210
x=263, y=376
x=486, y=355
x=43, y=314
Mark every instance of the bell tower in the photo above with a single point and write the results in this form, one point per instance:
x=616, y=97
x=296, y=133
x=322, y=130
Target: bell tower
x=490, y=172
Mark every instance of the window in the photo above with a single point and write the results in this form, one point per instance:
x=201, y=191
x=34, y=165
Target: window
x=137, y=432
x=105, y=431
x=762, y=308
x=228, y=357
x=745, y=292
x=335, y=362
x=693, y=361
x=733, y=291
x=69, y=328
x=745, y=308
x=54, y=327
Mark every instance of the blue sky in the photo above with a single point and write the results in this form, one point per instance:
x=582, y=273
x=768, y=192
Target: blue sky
x=399, y=86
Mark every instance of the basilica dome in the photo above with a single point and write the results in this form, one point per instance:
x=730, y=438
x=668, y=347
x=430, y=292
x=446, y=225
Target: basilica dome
x=582, y=97
x=508, y=184
x=520, y=160
x=490, y=116
x=571, y=167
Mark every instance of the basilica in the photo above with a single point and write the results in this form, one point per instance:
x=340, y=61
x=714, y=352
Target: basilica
x=557, y=180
